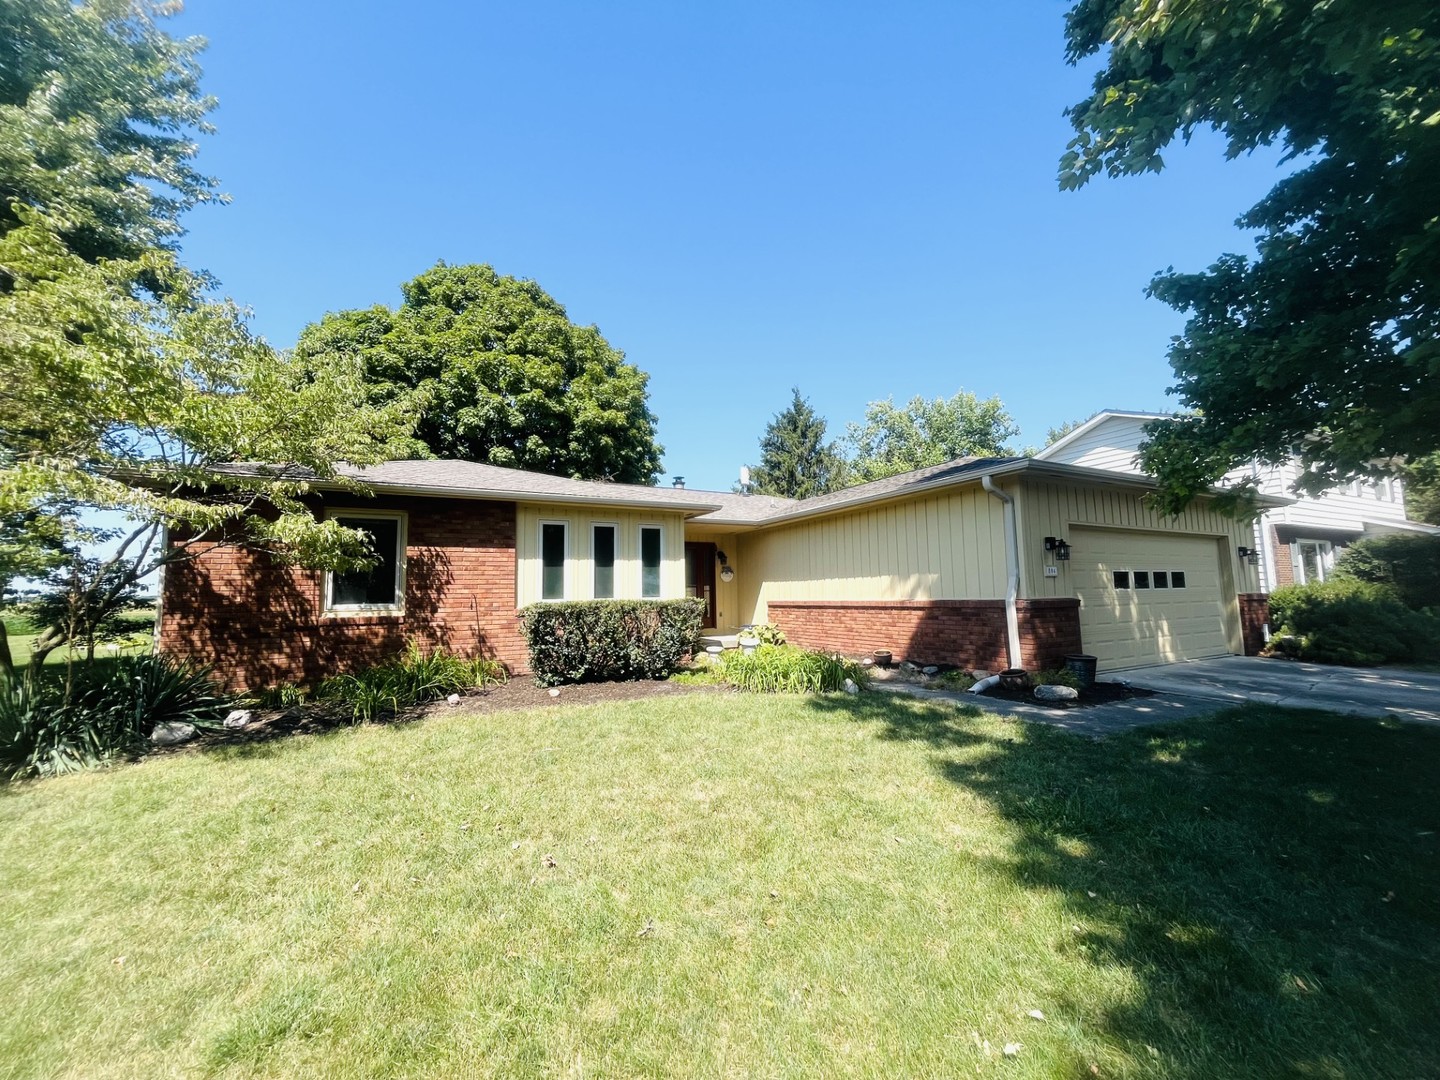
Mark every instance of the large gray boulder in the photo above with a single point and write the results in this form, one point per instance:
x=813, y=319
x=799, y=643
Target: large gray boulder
x=173, y=733
x=1056, y=693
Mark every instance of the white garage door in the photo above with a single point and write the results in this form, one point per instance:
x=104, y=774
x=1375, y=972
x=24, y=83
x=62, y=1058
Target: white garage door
x=1148, y=598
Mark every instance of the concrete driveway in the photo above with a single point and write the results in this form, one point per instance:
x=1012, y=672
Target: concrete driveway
x=1406, y=695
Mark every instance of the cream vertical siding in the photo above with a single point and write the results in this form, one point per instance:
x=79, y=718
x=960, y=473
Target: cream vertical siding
x=580, y=577
x=949, y=546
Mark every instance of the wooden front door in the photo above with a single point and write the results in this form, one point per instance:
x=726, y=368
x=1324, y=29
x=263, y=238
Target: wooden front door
x=700, y=576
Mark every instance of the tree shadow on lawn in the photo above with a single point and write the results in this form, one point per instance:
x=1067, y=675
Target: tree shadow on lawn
x=1267, y=876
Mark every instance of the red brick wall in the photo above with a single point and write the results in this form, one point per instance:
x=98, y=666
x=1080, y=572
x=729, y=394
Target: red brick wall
x=1284, y=571
x=1254, y=614
x=259, y=623
x=967, y=633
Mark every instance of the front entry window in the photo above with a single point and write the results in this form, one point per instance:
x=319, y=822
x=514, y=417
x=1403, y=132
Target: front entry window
x=1313, y=560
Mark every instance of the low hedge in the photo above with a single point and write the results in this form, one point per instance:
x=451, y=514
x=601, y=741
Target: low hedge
x=1350, y=622
x=600, y=640
x=1408, y=564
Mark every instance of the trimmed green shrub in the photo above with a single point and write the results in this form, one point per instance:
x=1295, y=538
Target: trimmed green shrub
x=1350, y=622
x=784, y=669
x=602, y=640
x=413, y=678
x=1408, y=564
x=109, y=712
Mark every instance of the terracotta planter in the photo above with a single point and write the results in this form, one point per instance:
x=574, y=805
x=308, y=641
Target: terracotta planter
x=882, y=657
x=1014, y=679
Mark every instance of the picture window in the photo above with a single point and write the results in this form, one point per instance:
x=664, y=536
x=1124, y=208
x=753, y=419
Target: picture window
x=382, y=586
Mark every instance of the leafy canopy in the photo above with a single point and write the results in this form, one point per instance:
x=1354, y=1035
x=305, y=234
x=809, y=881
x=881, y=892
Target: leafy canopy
x=895, y=439
x=503, y=376
x=795, y=460
x=98, y=113
x=1324, y=343
x=116, y=396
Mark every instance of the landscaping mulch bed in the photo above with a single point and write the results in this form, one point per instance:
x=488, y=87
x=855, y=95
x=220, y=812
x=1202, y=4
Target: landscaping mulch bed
x=519, y=693
x=1102, y=693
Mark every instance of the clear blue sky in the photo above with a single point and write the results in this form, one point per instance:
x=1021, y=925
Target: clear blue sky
x=856, y=199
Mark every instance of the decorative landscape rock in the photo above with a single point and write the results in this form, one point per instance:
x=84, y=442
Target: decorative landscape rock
x=172, y=733
x=906, y=665
x=554, y=691
x=1056, y=693
x=453, y=699
x=850, y=687
x=930, y=669
x=238, y=718
x=979, y=673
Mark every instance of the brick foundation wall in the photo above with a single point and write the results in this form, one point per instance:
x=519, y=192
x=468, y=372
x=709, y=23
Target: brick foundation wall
x=259, y=623
x=967, y=633
x=1254, y=614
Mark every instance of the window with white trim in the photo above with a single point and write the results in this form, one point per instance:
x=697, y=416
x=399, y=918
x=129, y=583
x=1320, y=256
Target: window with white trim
x=651, y=554
x=554, y=546
x=602, y=557
x=381, y=588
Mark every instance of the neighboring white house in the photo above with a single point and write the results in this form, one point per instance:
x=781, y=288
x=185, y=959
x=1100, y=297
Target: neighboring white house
x=1296, y=543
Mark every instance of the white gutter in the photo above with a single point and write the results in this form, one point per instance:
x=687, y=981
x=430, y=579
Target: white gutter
x=1012, y=569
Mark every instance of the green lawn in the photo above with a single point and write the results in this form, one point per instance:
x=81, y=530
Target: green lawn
x=716, y=885
x=22, y=634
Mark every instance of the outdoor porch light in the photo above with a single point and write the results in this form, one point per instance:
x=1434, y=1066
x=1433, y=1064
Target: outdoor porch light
x=1060, y=548
x=727, y=573
x=1247, y=553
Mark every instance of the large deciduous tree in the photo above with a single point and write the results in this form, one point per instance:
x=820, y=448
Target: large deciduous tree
x=125, y=388
x=505, y=377
x=99, y=110
x=795, y=459
x=894, y=439
x=1324, y=343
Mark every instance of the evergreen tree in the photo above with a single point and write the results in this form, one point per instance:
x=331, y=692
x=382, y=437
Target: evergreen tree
x=795, y=459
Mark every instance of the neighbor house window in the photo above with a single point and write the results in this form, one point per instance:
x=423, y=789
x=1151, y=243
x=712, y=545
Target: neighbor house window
x=650, y=561
x=382, y=587
x=553, y=544
x=602, y=554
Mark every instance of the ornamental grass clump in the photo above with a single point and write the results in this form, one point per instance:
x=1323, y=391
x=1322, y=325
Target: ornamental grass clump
x=416, y=677
x=785, y=669
x=50, y=724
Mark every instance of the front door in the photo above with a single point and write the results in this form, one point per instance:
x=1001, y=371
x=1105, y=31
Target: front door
x=700, y=576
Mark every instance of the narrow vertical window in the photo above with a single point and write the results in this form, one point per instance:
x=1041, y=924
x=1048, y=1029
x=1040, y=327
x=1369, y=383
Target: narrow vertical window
x=552, y=560
x=602, y=553
x=650, y=561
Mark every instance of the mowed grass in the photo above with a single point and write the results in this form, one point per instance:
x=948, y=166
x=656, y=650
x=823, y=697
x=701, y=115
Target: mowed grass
x=721, y=885
x=22, y=634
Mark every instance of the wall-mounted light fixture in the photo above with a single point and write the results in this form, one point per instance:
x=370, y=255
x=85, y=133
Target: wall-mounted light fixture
x=727, y=572
x=1248, y=553
x=1058, y=547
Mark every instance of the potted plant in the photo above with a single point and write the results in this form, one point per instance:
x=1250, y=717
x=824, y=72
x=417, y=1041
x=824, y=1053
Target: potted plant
x=1014, y=679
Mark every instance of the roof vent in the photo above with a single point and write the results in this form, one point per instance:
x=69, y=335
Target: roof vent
x=678, y=482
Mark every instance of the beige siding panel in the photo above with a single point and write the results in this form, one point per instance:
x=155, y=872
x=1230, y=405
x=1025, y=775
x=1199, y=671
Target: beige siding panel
x=580, y=578
x=938, y=547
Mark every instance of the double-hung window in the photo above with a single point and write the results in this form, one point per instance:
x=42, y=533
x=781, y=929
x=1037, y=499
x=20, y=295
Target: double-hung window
x=554, y=547
x=602, y=557
x=650, y=556
x=381, y=587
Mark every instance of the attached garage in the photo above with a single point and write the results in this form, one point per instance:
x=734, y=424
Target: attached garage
x=1151, y=597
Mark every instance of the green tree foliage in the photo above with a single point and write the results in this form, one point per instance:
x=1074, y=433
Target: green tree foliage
x=893, y=439
x=1325, y=343
x=98, y=113
x=1422, y=489
x=1055, y=434
x=795, y=460
x=125, y=388
x=503, y=376
x=1408, y=564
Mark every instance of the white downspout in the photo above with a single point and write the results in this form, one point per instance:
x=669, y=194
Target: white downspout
x=1012, y=569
